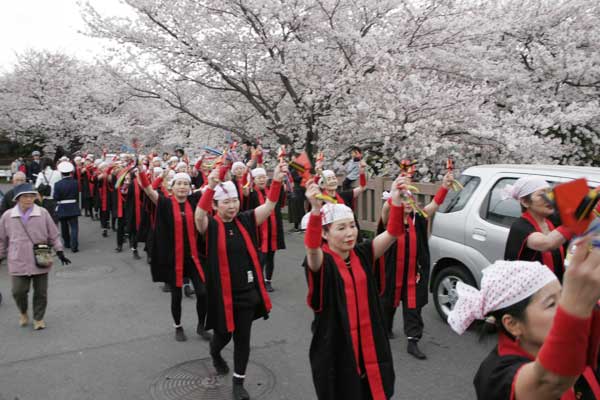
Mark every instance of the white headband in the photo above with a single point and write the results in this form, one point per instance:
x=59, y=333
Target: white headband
x=258, y=172
x=181, y=165
x=225, y=190
x=237, y=164
x=525, y=186
x=331, y=213
x=326, y=174
x=504, y=283
x=157, y=170
x=180, y=176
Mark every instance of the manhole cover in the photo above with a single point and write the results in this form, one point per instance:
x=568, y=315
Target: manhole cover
x=197, y=380
x=85, y=271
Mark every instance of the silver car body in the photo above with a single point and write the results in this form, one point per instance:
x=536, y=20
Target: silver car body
x=475, y=235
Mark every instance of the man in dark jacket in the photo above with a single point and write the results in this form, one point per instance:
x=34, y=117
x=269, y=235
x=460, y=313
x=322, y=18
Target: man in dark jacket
x=34, y=167
x=66, y=194
x=7, y=201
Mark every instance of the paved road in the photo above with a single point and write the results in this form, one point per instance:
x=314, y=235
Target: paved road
x=110, y=336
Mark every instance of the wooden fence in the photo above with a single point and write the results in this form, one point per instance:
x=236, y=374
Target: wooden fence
x=368, y=205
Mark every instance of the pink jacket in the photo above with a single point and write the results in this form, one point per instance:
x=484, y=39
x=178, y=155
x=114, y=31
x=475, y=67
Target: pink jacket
x=15, y=243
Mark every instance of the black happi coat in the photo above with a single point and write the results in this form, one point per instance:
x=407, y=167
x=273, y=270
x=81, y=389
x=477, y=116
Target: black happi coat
x=274, y=233
x=385, y=269
x=130, y=208
x=516, y=246
x=163, y=252
x=244, y=200
x=87, y=184
x=332, y=360
x=494, y=379
x=216, y=316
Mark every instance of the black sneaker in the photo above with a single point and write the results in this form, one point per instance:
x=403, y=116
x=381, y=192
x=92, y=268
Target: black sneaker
x=204, y=334
x=75, y=250
x=239, y=392
x=220, y=364
x=188, y=291
x=119, y=249
x=136, y=255
x=180, y=335
x=166, y=288
x=104, y=233
x=269, y=287
x=391, y=335
x=413, y=350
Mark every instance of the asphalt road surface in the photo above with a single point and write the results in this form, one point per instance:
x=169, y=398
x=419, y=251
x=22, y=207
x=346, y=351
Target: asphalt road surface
x=110, y=336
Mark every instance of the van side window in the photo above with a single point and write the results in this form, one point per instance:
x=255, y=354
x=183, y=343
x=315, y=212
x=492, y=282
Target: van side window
x=456, y=201
x=499, y=209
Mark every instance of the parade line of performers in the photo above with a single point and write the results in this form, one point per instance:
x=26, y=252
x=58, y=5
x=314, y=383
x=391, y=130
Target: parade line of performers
x=217, y=225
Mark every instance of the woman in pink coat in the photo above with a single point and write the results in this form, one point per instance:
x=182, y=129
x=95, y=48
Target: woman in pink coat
x=20, y=227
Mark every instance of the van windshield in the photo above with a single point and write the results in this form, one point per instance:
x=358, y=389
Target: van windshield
x=456, y=201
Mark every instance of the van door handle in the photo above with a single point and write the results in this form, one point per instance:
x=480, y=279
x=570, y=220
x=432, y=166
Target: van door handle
x=479, y=234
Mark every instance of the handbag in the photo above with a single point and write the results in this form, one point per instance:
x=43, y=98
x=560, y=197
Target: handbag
x=42, y=252
x=45, y=189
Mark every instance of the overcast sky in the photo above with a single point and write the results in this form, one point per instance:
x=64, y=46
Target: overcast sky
x=48, y=24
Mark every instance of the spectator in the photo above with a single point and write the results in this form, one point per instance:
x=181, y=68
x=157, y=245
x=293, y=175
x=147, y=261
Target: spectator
x=351, y=168
x=34, y=167
x=7, y=201
x=47, y=178
x=21, y=227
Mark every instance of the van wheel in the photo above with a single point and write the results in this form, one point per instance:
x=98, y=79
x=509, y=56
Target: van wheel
x=444, y=288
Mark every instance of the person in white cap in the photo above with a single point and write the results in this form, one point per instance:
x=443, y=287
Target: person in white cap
x=237, y=293
x=239, y=176
x=533, y=237
x=175, y=255
x=548, y=336
x=87, y=186
x=103, y=180
x=350, y=354
x=406, y=267
x=271, y=231
x=66, y=195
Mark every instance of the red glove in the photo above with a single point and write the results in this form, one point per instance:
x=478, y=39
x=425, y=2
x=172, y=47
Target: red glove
x=145, y=182
x=206, y=200
x=275, y=191
x=440, y=196
x=362, y=180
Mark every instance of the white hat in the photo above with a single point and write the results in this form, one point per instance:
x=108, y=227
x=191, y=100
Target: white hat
x=90, y=157
x=65, y=167
x=326, y=174
x=258, y=172
x=181, y=165
x=63, y=158
x=331, y=213
x=173, y=159
x=525, y=186
x=237, y=164
x=97, y=162
x=504, y=283
x=157, y=170
x=225, y=190
x=180, y=176
x=77, y=159
x=123, y=155
x=35, y=153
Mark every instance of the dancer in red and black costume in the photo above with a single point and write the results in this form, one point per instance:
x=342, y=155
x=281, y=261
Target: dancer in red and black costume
x=87, y=187
x=533, y=237
x=407, y=271
x=350, y=353
x=237, y=294
x=103, y=181
x=271, y=232
x=134, y=214
x=177, y=255
x=547, y=335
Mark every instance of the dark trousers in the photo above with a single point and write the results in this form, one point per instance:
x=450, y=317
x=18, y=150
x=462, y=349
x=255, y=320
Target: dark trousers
x=268, y=264
x=347, y=184
x=69, y=229
x=20, y=292
x=87, y=205
x=120, y=231
x=104, y=217
x=243, y=318
x=176, y=295
x=413, y=320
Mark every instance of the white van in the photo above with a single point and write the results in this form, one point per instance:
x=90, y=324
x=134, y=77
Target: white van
x=470, y=230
